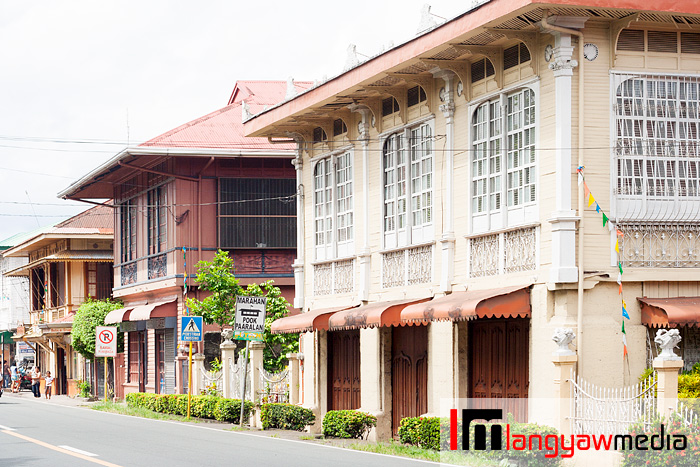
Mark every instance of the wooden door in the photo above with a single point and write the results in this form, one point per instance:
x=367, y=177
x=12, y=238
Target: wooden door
x=499, y=363
x=119, y=376
x=344, y=370
x=409, y=373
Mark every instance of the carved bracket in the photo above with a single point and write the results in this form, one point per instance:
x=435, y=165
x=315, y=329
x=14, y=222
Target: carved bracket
x=424, y=80
x=461, y=68
x=492, y=53
x=616, y=28
x=529, y=38
x=398, y=92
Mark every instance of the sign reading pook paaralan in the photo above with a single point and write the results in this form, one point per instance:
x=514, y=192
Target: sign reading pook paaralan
x=250, y=318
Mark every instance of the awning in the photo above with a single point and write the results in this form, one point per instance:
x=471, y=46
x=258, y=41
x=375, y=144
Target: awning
x=374, y=314
x=506, y=302
x=154, y=310
x=670, y=312
x=306, y=322
x=118, y=315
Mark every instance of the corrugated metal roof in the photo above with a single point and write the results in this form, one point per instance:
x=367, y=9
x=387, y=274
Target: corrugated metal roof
x=99, y=217
x=19, y=238
x=223, y=129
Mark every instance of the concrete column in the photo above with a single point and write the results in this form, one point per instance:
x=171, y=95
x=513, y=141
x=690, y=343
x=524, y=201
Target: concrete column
x=447, y=242
x=255, y=364
x=180, y=367
x=441, y=364
x=364, y=251
x=228, y=358
x=294, y=381
x=298, y=264
x=375, y=378
x=564, y=370
x=197, y=370
x=563, y=218
x=667, y=385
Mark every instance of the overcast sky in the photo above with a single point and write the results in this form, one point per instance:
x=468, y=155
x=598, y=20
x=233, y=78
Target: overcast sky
x=81, y=80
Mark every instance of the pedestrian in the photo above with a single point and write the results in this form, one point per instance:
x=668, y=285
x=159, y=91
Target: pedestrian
x=49, y=380
x=6, y=374
x=15, y=377
x=36, y=379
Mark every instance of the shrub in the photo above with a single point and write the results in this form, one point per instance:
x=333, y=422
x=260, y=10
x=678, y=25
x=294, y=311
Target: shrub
x=83, y=388
x=423, y=432
x=285, y=416
x=664, y=457
x=347, y=423
x=211, y=407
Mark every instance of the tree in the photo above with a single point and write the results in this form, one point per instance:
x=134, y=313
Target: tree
x=91, y=314
x=219, y=308
x=216, y=276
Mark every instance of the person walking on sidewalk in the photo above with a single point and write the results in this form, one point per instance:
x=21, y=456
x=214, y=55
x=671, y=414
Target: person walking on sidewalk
x=49, y=380
x=15, y=377
x=36, y=378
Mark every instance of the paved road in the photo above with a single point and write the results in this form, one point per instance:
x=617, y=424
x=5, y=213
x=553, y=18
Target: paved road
x=36, y=432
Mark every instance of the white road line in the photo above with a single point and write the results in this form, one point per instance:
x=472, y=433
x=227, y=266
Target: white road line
x=79, y=451
x=3, y=427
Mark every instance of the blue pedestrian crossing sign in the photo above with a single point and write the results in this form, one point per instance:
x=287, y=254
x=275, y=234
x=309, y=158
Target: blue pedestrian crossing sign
x=191, y=330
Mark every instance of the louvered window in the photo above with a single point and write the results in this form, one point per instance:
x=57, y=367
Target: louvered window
x=157, y=219
x=333, y=206
x=662, y=41
x=319, y=135
x=482, y=69
x=128, y=229
x=257, y=213
x=389, y=106
x=514, y=56
x=631, y=40
x=416, y=95
x=503, y=135
x=657, y=150
x=339, y=127
x=690, y=43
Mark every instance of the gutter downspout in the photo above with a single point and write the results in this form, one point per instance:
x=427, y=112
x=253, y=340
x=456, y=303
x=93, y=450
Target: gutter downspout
x=581, y=58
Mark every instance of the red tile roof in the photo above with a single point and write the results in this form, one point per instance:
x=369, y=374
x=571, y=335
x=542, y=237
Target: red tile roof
x=223, y=129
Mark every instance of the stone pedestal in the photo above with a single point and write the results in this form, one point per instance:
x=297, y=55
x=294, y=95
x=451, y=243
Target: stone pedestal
x=294, y=380
x=667, y=385
x=564, y=370
x=228, y=358
x=197, y=371
x=255, y=363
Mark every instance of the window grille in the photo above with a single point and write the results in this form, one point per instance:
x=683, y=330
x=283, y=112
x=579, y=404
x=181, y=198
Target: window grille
x=319, y=135
x=389, y=106
x=416, y=95
x=339, y=127
x=482, y=69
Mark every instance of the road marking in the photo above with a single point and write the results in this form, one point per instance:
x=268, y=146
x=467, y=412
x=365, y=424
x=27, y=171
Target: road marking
x=7, y=428
x=79, y=451
x=60, y=449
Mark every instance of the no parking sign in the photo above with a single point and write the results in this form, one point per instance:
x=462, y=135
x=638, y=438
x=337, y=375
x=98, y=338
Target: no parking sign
x=105, y=341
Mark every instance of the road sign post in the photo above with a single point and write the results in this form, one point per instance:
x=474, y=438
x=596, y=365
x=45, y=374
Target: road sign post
x=191, y=331
x=105, y=346
x=249, y=325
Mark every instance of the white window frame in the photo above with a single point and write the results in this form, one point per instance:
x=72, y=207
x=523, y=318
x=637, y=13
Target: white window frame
x=654, y=177
x=501, y=173
x=333, y=209
x=408, y=210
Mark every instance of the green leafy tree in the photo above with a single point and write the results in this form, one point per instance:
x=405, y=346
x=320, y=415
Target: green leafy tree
x=91, y=314
x=219, y=308
x=217, y=277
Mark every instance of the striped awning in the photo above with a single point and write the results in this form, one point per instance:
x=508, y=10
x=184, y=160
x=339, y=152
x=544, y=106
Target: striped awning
x=371, y=315
x=306, y=322
x=670, y=312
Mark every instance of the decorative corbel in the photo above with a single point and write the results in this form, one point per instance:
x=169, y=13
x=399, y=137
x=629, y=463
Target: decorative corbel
x=365, y=120
x=529, y=38
x=398, y=92
x=326, y=124
x=461, y=68
x=346, y=116
x=616, y=28
x=374, y=104
x=493, y=53
x=424, y=80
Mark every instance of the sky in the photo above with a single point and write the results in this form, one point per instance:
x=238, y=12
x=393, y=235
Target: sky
x=80, y=80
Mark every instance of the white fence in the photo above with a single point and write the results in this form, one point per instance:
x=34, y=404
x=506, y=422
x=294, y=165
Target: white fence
x=599, y=410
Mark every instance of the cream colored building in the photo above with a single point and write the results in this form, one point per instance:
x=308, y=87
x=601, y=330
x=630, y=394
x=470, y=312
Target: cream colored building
x=439, y=190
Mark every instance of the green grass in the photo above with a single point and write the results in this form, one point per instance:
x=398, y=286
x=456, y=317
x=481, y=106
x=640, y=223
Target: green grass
x=306, y=437
x=396, y=449
x=123, y=409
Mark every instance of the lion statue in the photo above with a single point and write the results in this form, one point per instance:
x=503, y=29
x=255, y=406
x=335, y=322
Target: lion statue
x=668, y=339
x=227, y=334
x=563, y=337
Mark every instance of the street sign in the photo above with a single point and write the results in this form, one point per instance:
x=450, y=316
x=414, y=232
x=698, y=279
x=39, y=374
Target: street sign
x=105, y=341
x=191, y=330
x=250, y=318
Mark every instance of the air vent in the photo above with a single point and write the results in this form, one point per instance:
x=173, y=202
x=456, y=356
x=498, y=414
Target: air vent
x=478, y=71
x=339, y=127
x=524, y=53
x=319, y=135
x=389, y=106
x=690, y=43
x=631, y=40
x=489, y=68
x=662, y=41
x=415, y=96
x=510, y=57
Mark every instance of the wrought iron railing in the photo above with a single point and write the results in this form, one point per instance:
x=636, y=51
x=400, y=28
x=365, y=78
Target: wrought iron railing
x=157, y=266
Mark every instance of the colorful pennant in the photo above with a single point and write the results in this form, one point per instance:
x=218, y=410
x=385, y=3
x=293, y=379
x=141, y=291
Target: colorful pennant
x=606, y=221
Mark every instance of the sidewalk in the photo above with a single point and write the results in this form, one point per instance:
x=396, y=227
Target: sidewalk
x=57, y=400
